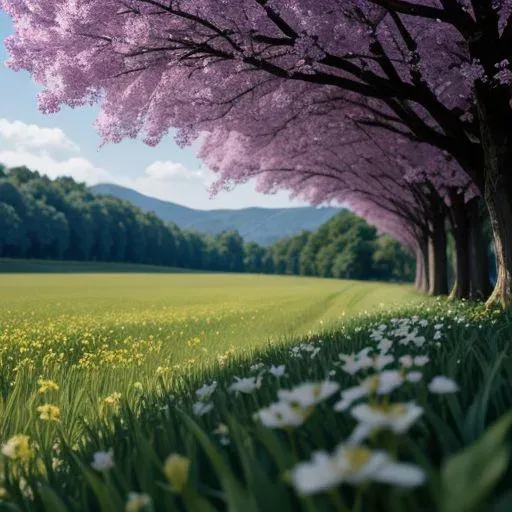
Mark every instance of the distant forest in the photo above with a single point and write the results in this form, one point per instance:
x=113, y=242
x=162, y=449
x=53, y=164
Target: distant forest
x=62, y=220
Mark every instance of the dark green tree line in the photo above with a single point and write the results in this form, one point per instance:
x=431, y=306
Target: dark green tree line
x=60, y=219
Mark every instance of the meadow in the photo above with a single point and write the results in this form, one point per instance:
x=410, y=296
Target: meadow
x=143, y=392
x=98, y=334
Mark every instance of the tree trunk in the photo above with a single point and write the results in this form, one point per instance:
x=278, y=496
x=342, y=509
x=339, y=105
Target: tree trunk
x=422, y=265
x=500, y=211
x=438, y=275
x=418, y=282
x=460, y=231
x=478, y=252
x=421, y=282
x=495, y=116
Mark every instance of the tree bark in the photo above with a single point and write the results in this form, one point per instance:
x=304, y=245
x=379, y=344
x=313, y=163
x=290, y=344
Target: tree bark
x=438, y=275
x=422, y=265
x=421, y=282
x=478, y=246
x=495, y=115
x=460, y=230
x=418, y=282
x=500, y=211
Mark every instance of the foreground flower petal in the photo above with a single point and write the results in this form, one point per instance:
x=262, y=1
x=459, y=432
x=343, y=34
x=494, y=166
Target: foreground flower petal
x=400, y=474
x=352, y=465
x=318, y=475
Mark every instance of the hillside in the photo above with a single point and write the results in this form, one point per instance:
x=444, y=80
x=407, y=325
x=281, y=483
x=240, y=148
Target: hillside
x=262, y=225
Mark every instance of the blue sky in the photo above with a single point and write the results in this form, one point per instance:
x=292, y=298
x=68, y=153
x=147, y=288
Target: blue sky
x=66, y=143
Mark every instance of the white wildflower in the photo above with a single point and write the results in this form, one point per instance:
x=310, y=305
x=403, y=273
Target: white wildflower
x=309, y=394
x=103, y=461
x=314, y=353
x=282, y=415
x=414, y=338
x=245, y=385
x=395, y=417
x=382, y=360
x=381, y=384
x=277, y=371
x=413, y=377
x=206, y=391
x=406, y=361
x=354, y=363
x=384, y=345
x=353, y=465
x=201, y=408
x=441, y=385
x=320, y=474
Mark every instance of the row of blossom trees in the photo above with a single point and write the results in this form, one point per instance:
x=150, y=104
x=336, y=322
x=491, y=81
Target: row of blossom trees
x=402, y=108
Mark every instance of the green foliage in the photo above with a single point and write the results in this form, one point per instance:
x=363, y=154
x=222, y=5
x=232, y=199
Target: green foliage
x=469, y=477
x=344, y=247
x=390, y=261
x=62, y=220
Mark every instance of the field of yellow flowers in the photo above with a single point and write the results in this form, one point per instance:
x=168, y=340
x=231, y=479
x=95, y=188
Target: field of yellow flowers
x=234, y=392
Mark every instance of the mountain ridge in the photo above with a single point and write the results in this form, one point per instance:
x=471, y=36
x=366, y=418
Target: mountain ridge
x=255, y=224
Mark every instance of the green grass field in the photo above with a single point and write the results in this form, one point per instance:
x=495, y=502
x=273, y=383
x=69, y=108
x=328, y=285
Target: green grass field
x=99, y=333
x=126, y=354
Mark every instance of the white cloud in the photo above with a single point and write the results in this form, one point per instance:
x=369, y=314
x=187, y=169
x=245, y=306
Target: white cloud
x=30, y=136
x=172, y=171
x=77, y=168
x=39, y=149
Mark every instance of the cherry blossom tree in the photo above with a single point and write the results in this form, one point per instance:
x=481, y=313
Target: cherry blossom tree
x=432, y=71
x=314, y=144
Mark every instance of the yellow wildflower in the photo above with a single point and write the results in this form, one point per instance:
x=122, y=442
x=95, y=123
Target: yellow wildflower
x=137, y=501
x=49, y=412
x=162, y=370
x=176, y=470
x=47, y=385
x=18, y=448
x=113, y=400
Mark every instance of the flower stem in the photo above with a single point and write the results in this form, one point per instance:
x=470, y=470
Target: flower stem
x=337, y=502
